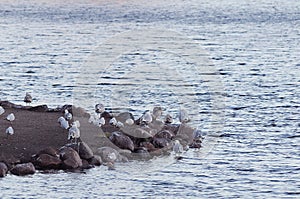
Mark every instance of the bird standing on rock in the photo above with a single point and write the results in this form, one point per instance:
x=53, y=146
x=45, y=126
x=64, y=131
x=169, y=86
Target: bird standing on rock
x=157, y=112
x=183, y=116
x=99, y=108
x=11, y=117
x=74, y=133
x=147, y=117
x=28, y=98
x=63, y=122
x=68, y=116
x=178, y=149
x=168, y=119
x=9, y=131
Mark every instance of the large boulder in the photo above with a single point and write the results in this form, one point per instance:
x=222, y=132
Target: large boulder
x=3, y=169
x=70, y=158
x=23, y=169
x=46, y=161
x=85, y=152
x=50, y=151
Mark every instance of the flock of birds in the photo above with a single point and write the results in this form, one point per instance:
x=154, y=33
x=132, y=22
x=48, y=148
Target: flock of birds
x=11, y=117
x=99, y=118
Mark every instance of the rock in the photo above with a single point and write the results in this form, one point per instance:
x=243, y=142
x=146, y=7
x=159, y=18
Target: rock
x=50, y=151
x=23, y=169
x=161, y=142
x=70, y=158
x=85, y=152
x=164, y=134
x=3, y=169
x=95, y=160
x=86, y=164
x=150, y=147
x=40, y=108
x=46, y=161
x=109, y=154
x=122, y=141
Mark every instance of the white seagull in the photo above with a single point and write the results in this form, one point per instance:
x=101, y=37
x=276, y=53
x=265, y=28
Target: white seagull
x=9, y=131
x=99, y=108
x=63, y=123
x=68, y=115
x=74, y=133
x=183, y=116
x=177, y=147
x=101, y=121
x=147, y=117
x=157, y=112
x=11, y=117
x=2, y=110
x=28, y=98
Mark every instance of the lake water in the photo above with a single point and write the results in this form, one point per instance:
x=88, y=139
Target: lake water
x=234, y=65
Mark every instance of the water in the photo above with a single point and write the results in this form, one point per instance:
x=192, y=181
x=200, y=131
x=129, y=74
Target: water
x=251, y=99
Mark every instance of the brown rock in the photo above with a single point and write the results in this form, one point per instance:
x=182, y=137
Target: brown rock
x=95, y=160
x=86, y=164
x=23, y=169
x=70, y=158
x=45, y=161
x=85, y=152
x=50, y=151
x=161, y=142
x=3, y=169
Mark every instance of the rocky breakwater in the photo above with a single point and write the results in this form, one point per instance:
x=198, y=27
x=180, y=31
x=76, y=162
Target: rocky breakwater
x=39, y=141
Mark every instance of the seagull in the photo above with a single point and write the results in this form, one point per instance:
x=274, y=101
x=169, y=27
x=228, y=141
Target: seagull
x=77, y=123
x=198, y=135
x=28, y=98
x=177, y=148
x=101, y=121
x=157, y=112
x=9, y=131
x=129, y=121
x=99, y=108
x=68, y=115
x=1, y=110
x=147, y=117
x=113, y=121
x=168, y=119
x=63, y=123
x=11, y=117
x=74, y=133
x=183, y=116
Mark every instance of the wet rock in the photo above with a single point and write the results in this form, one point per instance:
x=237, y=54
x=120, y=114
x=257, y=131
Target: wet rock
x=161, y=142
x=85, y=152
x=122, y=141
x=109, y=154
x=3, y=169
x=164, y=134
x=150, y=147
x=95, y=160
x=46, y=161
x=23, y=169
x=70, y=158
x=86, y=164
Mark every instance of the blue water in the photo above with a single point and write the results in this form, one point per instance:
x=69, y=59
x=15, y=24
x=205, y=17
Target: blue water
x=243, y=89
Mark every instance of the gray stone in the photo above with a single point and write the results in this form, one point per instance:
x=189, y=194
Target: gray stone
x=70, y=158
x=46, y=161
x=85, y=152
x=23, y=169
x=3, y=169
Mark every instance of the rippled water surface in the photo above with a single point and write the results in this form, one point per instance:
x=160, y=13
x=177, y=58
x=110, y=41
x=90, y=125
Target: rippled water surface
x=234, y=65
